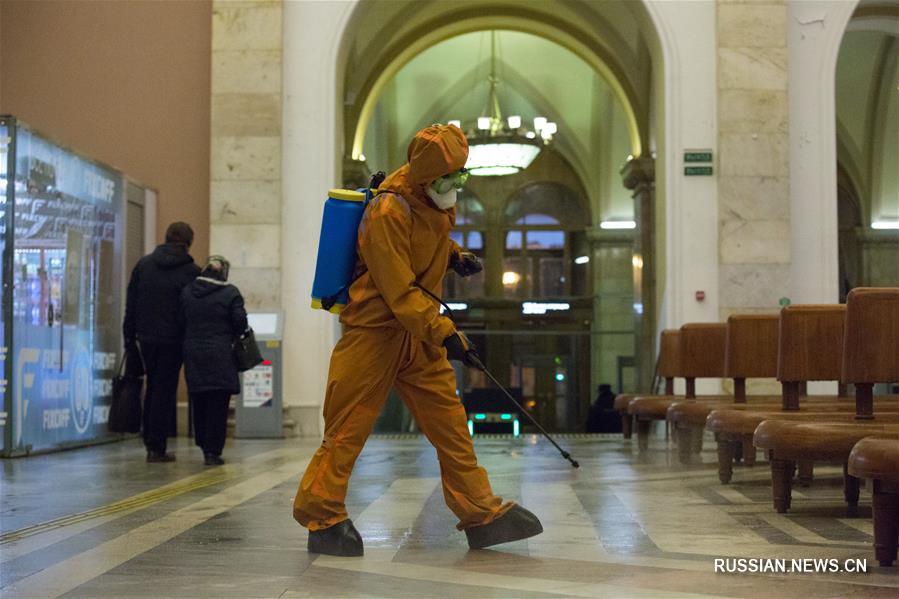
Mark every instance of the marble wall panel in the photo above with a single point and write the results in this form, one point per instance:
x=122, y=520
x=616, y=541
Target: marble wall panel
x=762, y=154
x=248, y=202
x=246, y=27
x=754, y=197
x=754, y=111
x=246, y=115
x=246, y=72
x=260, y=287
x=752, y=68
x=246, y=158
x=756, y=25
x=754, y=285
x=248, y=246
x=755, y=241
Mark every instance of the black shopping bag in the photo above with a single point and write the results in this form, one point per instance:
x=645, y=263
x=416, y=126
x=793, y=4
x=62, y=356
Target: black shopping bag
x=127, y=390
x=246, y=353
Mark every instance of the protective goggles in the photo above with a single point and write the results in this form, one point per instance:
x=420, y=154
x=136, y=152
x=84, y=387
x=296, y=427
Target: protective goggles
x=453, y=180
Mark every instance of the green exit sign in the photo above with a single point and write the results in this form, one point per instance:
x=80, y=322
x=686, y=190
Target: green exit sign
x=698, y=156
x=698, y=171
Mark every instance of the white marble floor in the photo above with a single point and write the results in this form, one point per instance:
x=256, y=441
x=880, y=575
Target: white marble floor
x=100, y=522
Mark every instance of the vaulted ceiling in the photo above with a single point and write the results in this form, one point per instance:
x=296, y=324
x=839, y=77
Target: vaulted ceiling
x=537, y=78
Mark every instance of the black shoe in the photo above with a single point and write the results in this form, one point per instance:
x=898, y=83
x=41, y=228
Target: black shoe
x=342, y=540
x=516, y=524
x=211, y=459
x=160, y=456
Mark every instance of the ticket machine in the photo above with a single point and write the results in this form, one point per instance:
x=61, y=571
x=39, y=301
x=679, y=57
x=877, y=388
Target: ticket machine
x=259, y=405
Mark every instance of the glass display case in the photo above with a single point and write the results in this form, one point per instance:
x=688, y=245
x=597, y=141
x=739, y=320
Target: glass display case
x=62, y=272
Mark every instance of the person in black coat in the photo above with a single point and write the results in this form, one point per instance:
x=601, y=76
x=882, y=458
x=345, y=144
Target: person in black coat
x=151, y=320
x=214, y=316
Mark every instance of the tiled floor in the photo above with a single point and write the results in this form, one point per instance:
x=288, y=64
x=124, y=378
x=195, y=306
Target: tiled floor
x=100, y=522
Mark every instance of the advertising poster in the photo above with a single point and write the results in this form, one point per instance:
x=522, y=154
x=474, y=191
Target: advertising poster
x=4, y=383
x=66, y=295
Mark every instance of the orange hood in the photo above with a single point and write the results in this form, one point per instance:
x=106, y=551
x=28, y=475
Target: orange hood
x=435, y=151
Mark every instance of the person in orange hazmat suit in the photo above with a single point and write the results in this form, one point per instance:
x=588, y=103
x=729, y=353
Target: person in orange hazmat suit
x=396, y=337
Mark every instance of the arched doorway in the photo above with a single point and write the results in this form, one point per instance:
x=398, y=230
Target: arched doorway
x=538, y=230
x=867, y=119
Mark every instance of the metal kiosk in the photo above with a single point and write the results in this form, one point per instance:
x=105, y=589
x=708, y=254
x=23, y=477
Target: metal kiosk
x=259, y=405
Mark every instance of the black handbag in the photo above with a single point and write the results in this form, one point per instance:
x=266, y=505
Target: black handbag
x=127, y=391
x=246, y=352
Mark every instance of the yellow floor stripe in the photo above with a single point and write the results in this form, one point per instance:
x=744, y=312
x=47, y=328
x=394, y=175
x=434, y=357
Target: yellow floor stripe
x=147, y=498
x=140, y=500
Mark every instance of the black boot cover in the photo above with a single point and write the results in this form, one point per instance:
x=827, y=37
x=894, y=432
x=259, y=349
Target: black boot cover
x=342, y=540
x=516, y=524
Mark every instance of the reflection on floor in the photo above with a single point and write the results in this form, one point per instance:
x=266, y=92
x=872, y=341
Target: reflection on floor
x=100, y=522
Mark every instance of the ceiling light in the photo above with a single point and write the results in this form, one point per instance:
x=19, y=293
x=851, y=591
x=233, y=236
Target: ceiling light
x=582, y=260
x=885, y=224
x=499, y=146
x=539, y=123
x=499, y=158
x=551, y=128
x=618, y=224
x=456, y=123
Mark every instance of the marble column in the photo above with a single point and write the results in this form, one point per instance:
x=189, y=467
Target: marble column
x=639, y=176
x=753, y=156
x=612, y=330
x=245, y=169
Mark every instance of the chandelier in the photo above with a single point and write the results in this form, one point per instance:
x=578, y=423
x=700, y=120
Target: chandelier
x=498, y=146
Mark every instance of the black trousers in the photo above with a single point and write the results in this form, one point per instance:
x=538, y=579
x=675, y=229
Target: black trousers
x=210, y=420
x=163, y=364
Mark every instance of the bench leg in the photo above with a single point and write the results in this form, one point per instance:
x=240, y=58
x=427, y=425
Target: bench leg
x=781, y=484
x=806, y=473
x=748, y=452
x=684, y=445
x=886, y=522
x=643, y=427
x=696, y=439
x=725, y=460
x=738, y=452
x=850, y=488
x=627, y=425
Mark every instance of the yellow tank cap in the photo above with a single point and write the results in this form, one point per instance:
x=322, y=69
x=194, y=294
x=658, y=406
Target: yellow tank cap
x=347, y=195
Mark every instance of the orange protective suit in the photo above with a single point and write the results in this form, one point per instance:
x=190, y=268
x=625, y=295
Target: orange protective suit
x=394, y=337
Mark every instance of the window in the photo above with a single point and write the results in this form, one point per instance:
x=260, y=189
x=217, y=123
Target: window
x=540, y=221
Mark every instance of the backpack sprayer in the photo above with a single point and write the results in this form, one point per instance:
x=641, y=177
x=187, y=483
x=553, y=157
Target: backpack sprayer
x=336, y=264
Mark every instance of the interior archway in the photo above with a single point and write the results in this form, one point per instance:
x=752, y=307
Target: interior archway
x=605, y=52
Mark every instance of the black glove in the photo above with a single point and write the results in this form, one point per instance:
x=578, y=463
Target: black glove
x=466, y=264
x=459, y=348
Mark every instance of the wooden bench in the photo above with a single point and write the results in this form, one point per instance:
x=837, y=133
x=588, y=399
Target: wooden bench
x=809, y=348
x=870, y=355
x=750, y=352
x=669, y=347
x=700, y=355
x=878, y=459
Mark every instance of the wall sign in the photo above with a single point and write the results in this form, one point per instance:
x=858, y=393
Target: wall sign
x=697, y=163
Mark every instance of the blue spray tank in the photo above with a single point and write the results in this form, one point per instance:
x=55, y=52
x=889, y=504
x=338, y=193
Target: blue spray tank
x=337, y=245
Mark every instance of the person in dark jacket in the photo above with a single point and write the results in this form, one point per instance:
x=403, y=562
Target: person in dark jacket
x=602, y=417
x=214, y=316
x=151, y=320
